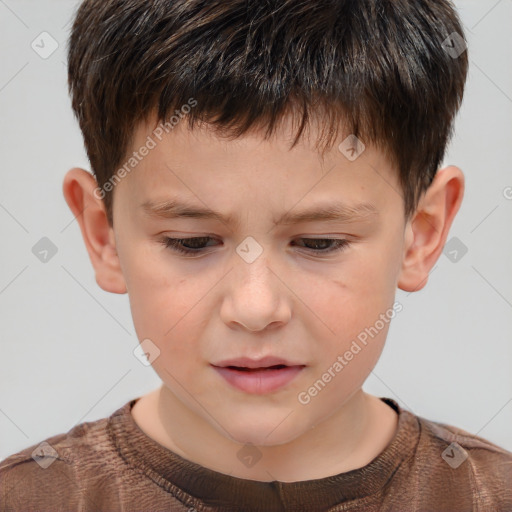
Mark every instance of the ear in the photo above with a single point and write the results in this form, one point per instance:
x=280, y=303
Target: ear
x=427, y=229
x=79, y=191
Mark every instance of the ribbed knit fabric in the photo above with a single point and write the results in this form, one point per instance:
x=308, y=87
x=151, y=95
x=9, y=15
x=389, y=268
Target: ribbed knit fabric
x=112, y=465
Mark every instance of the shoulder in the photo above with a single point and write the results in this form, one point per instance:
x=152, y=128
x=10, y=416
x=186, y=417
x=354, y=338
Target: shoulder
x=450, y=459
x=57, y=470
x=472, y=447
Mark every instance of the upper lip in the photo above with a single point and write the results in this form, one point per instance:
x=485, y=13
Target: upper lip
x=265, y=362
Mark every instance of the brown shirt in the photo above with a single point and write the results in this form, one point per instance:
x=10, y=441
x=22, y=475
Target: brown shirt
x=112, y=465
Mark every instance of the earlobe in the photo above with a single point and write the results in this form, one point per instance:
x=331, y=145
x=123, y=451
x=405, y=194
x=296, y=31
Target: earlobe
x=79, y=191
x=428, y=228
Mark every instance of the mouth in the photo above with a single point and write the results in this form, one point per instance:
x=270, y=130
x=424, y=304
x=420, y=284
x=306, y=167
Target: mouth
x=246, y=363
x=258, y=377
x=262, y=368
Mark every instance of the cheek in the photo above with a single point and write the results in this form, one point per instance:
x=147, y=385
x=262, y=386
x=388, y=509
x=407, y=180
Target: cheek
x=158, y=295
x=358, y=322
x=168, y=308
x=354, y=321
x=355, y=305
x=354, y=296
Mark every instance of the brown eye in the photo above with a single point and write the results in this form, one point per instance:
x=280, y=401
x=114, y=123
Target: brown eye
x=196, y=245
x=186, y=245
x=319, y=244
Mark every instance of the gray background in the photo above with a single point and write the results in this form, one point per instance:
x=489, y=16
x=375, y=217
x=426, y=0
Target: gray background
x=67, y=346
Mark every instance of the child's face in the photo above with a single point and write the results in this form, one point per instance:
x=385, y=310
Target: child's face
x=289, y=301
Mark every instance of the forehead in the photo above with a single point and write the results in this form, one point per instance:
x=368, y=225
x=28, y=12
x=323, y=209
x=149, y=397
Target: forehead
x=187, y=169
x=315, y=137
x=314, y=142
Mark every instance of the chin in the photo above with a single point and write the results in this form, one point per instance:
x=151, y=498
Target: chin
x=271, y=431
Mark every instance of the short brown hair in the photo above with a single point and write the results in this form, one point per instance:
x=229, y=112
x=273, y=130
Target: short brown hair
x=378, y=68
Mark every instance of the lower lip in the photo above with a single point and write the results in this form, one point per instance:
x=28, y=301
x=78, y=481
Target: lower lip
x=259, y=382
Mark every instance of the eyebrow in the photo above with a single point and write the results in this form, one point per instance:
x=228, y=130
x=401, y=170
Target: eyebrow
x=325, y=212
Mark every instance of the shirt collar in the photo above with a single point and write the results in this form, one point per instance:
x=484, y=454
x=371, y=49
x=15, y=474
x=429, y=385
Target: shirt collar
x=194, y=484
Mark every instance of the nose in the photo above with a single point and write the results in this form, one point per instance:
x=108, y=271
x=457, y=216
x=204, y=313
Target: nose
x=255, y=297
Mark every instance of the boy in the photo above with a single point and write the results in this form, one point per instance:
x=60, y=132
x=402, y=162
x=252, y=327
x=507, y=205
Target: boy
x=266, y=176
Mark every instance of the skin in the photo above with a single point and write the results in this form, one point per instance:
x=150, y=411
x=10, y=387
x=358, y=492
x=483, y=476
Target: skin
x=291, y=302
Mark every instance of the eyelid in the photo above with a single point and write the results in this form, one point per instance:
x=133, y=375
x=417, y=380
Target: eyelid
x=339, y=245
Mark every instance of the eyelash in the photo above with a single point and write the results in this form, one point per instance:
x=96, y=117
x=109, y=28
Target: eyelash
x=174, y=245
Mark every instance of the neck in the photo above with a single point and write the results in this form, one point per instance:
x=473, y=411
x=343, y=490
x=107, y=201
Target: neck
x=348, y=439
